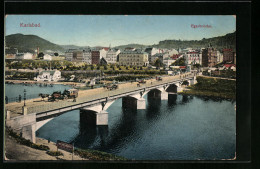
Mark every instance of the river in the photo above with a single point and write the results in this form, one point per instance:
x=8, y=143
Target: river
x=180, y=128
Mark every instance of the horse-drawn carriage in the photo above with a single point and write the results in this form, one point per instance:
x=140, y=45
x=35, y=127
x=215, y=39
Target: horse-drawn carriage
x=67, y=94
x=111, y=87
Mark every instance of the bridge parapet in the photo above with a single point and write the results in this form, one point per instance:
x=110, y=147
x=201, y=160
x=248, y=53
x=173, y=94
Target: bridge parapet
x=99, y=97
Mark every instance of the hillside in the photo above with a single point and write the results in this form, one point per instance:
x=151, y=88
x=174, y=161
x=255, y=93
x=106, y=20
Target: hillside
x=130, y=45
x=229, y=40
x=29, y=43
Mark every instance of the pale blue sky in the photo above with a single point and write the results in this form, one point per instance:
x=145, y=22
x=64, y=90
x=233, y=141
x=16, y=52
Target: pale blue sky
x=102, y=30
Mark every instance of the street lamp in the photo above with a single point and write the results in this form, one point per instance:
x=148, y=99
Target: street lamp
x=24, y=98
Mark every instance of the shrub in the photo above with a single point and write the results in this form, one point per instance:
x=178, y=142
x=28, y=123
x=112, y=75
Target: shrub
x=54, y=153
x=97, y=155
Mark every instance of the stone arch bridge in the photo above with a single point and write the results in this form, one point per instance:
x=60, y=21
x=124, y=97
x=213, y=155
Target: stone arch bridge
x=93, y=108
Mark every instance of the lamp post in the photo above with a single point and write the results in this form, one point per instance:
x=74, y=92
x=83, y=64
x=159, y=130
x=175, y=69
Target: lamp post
x=24, y=98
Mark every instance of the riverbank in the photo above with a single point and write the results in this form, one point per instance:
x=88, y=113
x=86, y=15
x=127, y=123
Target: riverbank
x=19, y=149
x=213, y=87
x=209, y=94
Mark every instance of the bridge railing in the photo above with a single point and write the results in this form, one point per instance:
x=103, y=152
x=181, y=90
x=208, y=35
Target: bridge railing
x=103, y=93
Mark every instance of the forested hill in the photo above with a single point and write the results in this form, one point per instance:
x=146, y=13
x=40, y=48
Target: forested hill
x=227, y=41
x=29, y=43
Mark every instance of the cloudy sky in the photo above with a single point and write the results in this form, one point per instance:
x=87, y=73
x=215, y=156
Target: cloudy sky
x=102, y=30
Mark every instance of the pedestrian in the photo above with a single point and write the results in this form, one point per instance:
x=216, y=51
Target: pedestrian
x=49, y=140
x=20, y=98
x=6, y=99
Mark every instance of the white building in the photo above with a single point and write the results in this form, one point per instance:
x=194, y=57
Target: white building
x=47, y=57
x=103, y=53
x=28, y=56
x=87, y=56
x=192, y=58
x=168, y=61
x=111, y=56
x=54, y=75
x=219, y=57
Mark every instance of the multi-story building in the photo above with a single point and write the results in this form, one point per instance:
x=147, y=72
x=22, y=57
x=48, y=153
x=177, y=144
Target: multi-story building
x=77, y=56
x=95, y=57
x=69, y=54
x=111, y=56
x=135, y=58
x=209, y=57
x=228, y=55
x=192, y=58
x=87, y=56
x=151, y=52
x=219, y=57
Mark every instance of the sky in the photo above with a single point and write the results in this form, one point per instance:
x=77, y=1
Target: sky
x=114, y=30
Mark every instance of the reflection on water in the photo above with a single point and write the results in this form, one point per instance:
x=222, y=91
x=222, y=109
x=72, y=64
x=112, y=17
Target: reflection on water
x=180, y=128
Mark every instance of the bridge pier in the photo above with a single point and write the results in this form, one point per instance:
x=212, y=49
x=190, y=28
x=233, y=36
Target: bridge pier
x=102, y=118
x=164, y=95
x=28, y=132
x=141, y=104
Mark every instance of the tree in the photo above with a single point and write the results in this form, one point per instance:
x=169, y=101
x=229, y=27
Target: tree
x=158, y=63
x=56, y=54
x=40, y=55
x=179, y=62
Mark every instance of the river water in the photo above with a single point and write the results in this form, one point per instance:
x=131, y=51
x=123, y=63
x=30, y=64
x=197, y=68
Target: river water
x=180, y=128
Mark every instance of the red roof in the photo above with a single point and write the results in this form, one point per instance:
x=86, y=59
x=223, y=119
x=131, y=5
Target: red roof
x=229, y=65
x=106, y=48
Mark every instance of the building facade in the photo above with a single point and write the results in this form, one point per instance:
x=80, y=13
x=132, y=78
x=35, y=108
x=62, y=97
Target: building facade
x=69, y=54
x=111, y=56
x=192, y=58
x=228, y=55
x=95, y=57
x=49, y=76
x=134, y=58
x=209, y=57
x=87, y=56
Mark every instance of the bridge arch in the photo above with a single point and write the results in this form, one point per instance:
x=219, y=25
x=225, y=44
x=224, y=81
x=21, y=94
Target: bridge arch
x=154, y=93
x=173, y=88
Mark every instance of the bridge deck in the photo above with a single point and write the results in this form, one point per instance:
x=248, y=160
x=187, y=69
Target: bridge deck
x=38, y=106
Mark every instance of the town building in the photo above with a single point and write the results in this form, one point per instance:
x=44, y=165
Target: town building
x=209, y=56
x=69, y=54
x=28, y=56
x=95, y=57
x=111, y=56
x=192, y=58
x=168, y=61
x=135, y=58
x=87, y=56
x=228, y=55
x=54, y=75
x=103, y=52
x=151, y=52
x=10, y=53
x=47, y=57
x=219, y=57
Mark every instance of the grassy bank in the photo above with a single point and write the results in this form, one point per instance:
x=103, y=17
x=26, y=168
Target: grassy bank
x=86, y=154
x=97, y=155
x=24, y=141
x=214, y=87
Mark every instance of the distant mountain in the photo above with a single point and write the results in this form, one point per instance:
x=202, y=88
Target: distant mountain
x=29, y=43
x=226, y=41
x=121, y=47
x=74, y=47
